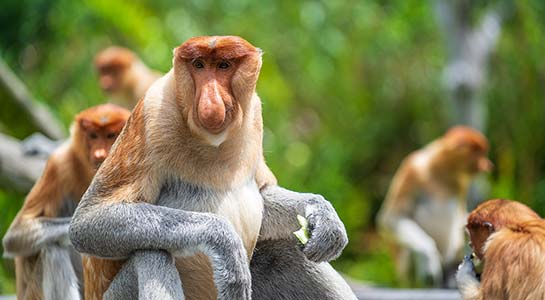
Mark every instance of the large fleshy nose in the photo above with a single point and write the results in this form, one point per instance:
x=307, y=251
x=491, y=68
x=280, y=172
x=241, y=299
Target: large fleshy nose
x=106, y=82
x=100, y=154
x=485, y=165
x=211, y=109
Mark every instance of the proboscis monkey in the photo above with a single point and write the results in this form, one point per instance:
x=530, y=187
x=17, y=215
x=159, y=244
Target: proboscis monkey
x=47, y=267
x=184, y=181
x=509, y=239
x=123, y=76
x=425, y=207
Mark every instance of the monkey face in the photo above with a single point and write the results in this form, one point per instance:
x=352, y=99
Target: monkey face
x=478, y=234
x=112, y=65
x=476, y=160
x=222, y=73
x=469, y=148
x=214, y=104
x=112, y=78
x=100, y=126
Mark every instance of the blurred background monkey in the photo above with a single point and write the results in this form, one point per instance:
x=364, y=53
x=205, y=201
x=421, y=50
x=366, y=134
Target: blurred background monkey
x=47, y=267
x=123, y=76
x=509, y=239
x=425, y=208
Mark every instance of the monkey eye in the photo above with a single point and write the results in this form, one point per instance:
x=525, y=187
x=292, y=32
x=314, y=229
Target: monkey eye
x=224, y=65
x=111, y=135
x=198, y=64
x=93, y=135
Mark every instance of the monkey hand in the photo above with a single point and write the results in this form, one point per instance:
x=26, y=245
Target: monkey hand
x=328, y=236
x=428, y=267
x=281, y=207
x=230, y=261
x=466, y=279
x=466, y=268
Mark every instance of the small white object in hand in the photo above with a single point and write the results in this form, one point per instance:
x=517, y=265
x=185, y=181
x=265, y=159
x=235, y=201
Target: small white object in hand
x=302, y=233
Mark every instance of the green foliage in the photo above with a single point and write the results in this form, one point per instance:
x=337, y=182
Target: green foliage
x=349, y=88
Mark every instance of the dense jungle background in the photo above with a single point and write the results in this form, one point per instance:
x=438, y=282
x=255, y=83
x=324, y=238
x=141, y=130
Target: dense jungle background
x=349, y=88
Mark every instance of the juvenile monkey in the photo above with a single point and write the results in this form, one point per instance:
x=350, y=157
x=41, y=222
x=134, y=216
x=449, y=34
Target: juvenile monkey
x=47, y=267
x=425, y=207
x=184, y=181
x=509, y=239
x=123, y=76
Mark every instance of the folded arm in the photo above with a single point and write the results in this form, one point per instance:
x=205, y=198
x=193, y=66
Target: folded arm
x=116, y=230
x=281, y=207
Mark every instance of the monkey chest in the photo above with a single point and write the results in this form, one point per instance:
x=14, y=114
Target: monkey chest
x=242, y=206
x=443, y=220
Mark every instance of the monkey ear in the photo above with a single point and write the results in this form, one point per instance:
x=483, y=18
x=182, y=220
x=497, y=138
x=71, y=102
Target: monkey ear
x=489, y=226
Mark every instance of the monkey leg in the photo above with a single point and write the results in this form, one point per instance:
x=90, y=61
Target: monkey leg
x=280, y=270
x=60, y=278
x=147, y=275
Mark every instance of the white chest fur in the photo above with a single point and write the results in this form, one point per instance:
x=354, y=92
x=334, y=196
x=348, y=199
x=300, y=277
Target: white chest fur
x=242, y=206
x=443, y=220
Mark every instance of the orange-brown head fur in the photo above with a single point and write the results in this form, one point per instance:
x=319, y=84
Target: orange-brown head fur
x=467, y=148
x=96, y=129
x=220, y=73
x=492, y=216
x=510, y=240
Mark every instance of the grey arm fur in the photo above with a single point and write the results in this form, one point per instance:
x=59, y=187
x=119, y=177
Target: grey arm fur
x=117, y=230
x=147, y=275
x=327, y=232
x=279, y=269
x=28, y=237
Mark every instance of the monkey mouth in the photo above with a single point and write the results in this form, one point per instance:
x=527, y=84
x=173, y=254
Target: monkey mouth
x=97, y=164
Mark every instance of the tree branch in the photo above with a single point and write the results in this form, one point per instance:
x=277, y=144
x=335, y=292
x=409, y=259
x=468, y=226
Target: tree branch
x=33, y=112
x=17, y=171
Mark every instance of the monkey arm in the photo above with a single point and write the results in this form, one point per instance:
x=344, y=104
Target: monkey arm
x=116, y=230
x=466, y=279
x=281, y=207
x=35, y=226
x=27, y=237
x=410, y=235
